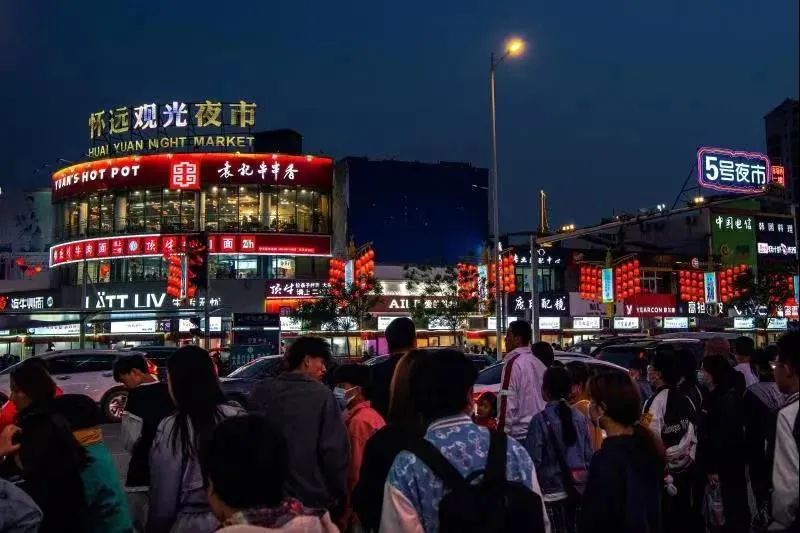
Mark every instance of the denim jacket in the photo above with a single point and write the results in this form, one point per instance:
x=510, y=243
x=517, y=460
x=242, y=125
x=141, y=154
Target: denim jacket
x=18, y=512
x=539, y=444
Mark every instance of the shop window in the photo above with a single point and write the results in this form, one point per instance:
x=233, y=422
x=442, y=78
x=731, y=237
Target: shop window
x=305, y=210
x=172, y=210
x=248, y=209
x=651, y=281
x=188, y=211
x=93, y=224
x=223, y=267
x=136, y=218
x=106, y=214
x=152, y=210
x=74, y=217
x=322, y=213
x=282, y=268
x=221, y=209
x=285, y=217
x=247, y=267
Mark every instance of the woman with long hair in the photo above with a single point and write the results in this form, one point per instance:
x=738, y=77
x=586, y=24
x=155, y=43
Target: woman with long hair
x=623, y=493
x=721, y=449
x=558, y=442
x=50, y=460
x=404, y=424
x=178, y=500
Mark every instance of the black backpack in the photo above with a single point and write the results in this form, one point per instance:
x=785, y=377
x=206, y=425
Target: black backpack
x=492, y=505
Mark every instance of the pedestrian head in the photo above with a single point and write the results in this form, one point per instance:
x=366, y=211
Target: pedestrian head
x=687, y=365
x=353, y=384
x=31, y=384
x=717, y=372
x=403, y=408
x=663, y=370
x=244, y=464
x=787, y=365
x=616, y=407
x=518, y=335
x=80, y=411
x=401, y=335
x=487, y=405
x=194, y=387
x=578, y=376
x=544, y=352
x=762, y=364
x=717, y=346
x=131, y=370
x=744, y=348
x=442, y=384
x=308, y=355
x=556, y=387
x=638, y=368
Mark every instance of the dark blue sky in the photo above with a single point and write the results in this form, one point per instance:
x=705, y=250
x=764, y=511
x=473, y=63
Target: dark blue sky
x=605, y=110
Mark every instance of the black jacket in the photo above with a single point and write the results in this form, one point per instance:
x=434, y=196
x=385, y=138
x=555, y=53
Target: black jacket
x=306, y=412
x=721, y=443
x=381, y=383
x=151, y=403
x=623, y=493
x=379, y=454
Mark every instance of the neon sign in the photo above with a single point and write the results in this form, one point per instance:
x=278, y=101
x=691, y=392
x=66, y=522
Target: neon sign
x=730, y=171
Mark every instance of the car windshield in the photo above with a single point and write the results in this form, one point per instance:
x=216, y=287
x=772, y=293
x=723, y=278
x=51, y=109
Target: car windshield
x=490, y=375
x=257, y=369
x=621, y=355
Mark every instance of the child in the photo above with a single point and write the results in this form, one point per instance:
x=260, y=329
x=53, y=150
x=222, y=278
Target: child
x=487, y=411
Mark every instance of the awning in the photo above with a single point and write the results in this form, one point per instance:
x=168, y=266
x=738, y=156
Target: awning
x=38, y=319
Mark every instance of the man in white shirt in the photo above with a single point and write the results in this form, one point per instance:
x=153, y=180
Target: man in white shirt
x=785, y=476
x=745, y=349
x=520, y=383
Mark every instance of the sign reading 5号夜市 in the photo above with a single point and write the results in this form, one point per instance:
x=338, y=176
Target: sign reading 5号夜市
x=192, y=171
x=729, y=171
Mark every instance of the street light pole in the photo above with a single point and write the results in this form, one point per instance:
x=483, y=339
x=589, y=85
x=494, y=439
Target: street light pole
x=514, y=47
x=495, y=196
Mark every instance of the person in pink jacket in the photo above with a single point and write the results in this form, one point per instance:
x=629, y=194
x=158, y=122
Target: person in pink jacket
x=521, y=382
x=244, y=465
x=352, y=388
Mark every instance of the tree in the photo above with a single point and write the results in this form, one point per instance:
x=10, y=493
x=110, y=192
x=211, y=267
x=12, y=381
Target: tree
x=442, y=302
x=762, y=294
x=342, y=307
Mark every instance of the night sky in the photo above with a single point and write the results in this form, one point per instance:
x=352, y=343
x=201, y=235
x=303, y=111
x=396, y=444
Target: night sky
x=605, y=111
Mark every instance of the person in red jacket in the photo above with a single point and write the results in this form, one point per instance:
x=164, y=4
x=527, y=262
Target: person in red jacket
x=486, y=413
x=8, y=413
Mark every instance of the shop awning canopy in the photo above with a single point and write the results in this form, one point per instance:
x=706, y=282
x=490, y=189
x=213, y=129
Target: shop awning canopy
x=151, y=314
x=38, y=319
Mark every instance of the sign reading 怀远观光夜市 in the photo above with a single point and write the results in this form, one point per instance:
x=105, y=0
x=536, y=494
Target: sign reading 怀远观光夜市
x=732, y=171
x=148, y=127
x=190, y=171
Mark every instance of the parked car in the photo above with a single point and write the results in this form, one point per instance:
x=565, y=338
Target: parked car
x=624, y=354
x=158, y=355
x=480, y=361
x=590, y=347
x=489, y=378
x=87, y=372
x=239, y=384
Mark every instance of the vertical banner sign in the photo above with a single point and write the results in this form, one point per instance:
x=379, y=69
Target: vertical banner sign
x=608, y=285
x=710, y=284
x=797, y=289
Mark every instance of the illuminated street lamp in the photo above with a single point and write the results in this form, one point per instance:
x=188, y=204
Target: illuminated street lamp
x=513, y=48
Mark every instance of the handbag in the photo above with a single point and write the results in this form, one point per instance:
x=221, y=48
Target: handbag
x=574, y=479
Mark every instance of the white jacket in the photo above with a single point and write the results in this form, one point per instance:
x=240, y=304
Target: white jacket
x=522, y=399
x=785, y=477
x=301, y=524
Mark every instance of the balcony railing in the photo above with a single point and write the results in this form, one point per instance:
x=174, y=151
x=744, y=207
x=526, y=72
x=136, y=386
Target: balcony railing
x=272, y=224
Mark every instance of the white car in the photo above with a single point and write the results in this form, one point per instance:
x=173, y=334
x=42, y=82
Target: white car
x=87, y=372
x=489, y=378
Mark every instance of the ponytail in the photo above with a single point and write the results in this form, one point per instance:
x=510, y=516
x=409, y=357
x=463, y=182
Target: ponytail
x=568, y=433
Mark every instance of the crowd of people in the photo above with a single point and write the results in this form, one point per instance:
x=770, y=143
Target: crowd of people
x=404, y=446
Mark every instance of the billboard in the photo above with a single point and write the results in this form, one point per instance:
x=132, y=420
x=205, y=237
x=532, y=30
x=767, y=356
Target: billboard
x=733, y=238
x=607, y=278
x=776, y=239
x=710, y=285
x=731, y=171
x=26, y=221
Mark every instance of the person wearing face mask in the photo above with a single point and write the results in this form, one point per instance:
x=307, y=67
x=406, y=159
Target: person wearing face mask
x=672, y=416
x=623, y=492
x=360, y=418
x=305, y=411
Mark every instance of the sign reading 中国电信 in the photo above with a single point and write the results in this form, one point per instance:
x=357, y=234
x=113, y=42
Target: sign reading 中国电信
x=731, y=171
x=149, y=127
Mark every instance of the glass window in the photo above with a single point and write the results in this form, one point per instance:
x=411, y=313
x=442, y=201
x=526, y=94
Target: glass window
x=248, y=209
x=282, y=268
x=322, y=213
x=93, y=225
x=152, y=210
x=188, y=210
x=74, y=214
x=107, y=214
x=227, y=209
x=136, y=219
x=305, y=210
x=222, y=267
x=247, y=267
x=172, y=210
x=285, y=214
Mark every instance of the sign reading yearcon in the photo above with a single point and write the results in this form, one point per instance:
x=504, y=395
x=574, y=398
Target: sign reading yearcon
x=731, y=171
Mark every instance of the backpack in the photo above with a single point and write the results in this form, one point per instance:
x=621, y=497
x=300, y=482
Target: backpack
x=492, y=505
